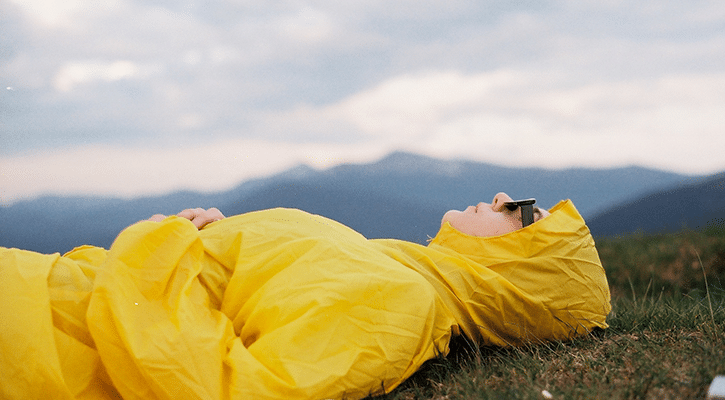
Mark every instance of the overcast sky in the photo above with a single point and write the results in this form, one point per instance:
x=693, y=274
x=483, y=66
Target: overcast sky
x=133, y=97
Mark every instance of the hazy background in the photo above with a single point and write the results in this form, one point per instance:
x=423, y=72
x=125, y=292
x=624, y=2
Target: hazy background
x=131, y=97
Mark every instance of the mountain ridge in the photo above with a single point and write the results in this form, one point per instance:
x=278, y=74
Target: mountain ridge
x=699, y=204
x=400, y=196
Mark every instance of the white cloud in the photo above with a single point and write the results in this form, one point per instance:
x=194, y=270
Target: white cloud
x=409, y=106
x=518, y=118
x=309, y=25
x=76, y=73
x=210, y=166
x=505, y=117
x=66, y=13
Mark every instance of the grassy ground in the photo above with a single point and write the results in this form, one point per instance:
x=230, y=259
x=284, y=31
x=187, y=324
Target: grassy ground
x=666, y=338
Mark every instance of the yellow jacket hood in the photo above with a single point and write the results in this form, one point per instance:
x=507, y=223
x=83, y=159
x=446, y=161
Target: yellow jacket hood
x=551, y=281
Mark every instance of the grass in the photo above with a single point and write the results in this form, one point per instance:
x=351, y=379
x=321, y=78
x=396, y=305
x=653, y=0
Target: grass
x=666, y=338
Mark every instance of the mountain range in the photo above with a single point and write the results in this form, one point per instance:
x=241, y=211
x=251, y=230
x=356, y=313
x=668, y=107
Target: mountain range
x=700, y=204
x=401, y=196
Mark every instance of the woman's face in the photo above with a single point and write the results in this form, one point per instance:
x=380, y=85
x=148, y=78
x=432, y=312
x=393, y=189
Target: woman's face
x=487, y=220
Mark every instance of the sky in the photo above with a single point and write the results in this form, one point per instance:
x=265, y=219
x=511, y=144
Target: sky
x=130, y=98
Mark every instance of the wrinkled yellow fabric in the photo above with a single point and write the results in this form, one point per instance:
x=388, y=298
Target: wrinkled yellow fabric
x=544, y=282
x=281, y=304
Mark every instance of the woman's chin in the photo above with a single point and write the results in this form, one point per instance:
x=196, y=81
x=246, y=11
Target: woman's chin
x=450, y=216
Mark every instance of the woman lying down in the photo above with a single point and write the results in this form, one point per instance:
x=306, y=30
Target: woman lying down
x=281, y=304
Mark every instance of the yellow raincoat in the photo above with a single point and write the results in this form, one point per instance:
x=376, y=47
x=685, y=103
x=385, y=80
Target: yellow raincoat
x=281, y=304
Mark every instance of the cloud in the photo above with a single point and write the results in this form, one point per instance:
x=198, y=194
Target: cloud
x=507, y=117
x=132, y=171
x=519, y=118
x=309, y=25
x=63, y=14
x=80, y=72
x=407, y=107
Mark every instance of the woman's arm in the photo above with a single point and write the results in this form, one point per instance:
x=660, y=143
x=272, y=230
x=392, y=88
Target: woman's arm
x=199, y=216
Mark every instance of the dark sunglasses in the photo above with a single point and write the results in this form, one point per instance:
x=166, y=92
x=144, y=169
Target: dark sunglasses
x=527, y=209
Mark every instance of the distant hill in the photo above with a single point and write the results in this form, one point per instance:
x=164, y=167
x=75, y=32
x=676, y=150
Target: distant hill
x=401, y=196
x=696, y=205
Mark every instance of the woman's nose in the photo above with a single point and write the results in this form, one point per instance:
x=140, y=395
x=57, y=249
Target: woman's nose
x=498, y=201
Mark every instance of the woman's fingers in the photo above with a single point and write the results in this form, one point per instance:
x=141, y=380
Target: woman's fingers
x=157, y=218
x=191, y=213
x=201, y=217
x=198, y=216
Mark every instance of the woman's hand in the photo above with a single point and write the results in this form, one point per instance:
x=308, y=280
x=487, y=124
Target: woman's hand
x=198, y=216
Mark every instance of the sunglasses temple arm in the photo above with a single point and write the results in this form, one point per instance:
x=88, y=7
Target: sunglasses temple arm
x=527, y=215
